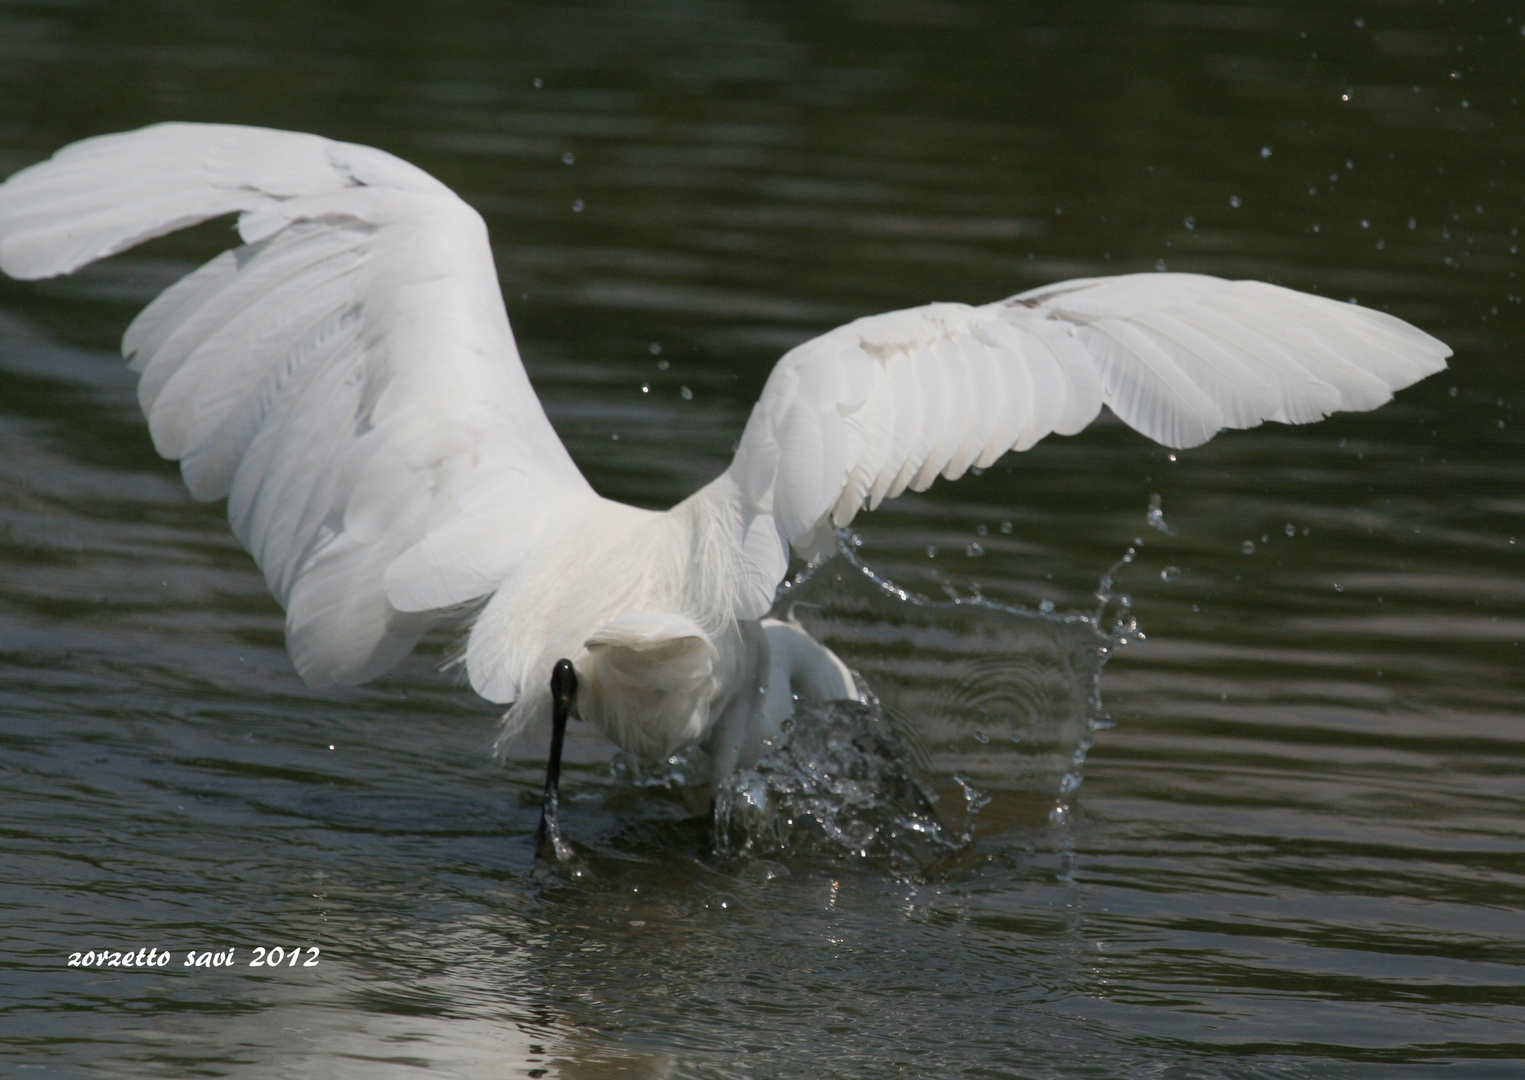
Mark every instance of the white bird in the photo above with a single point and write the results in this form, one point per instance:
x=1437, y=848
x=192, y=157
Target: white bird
x=347, y=379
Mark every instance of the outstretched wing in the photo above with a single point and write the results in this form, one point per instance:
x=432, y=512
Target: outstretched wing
x=347, y=378
x=892, y=401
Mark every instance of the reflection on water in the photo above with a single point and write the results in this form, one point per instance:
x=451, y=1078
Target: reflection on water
x=1297, y=852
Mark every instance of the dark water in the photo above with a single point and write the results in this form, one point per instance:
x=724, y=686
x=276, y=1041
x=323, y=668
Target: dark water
x=1298, y=852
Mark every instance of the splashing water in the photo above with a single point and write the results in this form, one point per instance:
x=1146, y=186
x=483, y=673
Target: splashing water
x=976, y=708
x=1156, y=516
x=842, y=779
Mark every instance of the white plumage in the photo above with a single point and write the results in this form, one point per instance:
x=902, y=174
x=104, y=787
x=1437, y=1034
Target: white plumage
x=347, y=379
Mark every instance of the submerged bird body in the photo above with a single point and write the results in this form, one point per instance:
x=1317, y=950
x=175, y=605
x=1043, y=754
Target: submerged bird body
x=348, y=380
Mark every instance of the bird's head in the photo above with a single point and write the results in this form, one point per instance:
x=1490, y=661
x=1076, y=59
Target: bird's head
x=647, y=679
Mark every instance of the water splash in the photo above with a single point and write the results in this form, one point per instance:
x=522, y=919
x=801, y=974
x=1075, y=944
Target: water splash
x=1156, y=516
x=842, y=780
x=977, y=709
x=686, y=768
x=554, y=843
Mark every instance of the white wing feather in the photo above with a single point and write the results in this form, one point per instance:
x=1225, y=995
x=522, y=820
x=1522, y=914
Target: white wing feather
x=893, y=401
x=347, y=378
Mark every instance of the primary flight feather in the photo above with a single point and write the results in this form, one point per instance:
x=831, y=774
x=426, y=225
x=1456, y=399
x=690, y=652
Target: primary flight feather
x=348, y=380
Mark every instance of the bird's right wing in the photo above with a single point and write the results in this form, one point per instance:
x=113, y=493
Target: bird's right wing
x=892, y=401
x=347, y=378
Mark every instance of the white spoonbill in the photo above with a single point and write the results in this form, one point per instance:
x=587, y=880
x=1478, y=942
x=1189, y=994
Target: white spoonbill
x=347, y=379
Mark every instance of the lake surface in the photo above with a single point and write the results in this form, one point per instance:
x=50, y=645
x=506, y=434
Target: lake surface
x=1299, y=847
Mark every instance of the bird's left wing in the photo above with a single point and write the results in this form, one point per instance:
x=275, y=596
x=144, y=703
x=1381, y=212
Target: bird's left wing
x=893, y=401
x=347, y=378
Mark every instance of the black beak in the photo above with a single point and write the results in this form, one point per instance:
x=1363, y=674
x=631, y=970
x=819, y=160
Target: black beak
x=563, y=686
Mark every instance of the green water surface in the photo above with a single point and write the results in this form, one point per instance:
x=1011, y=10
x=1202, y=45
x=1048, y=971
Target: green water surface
x=1299, y=851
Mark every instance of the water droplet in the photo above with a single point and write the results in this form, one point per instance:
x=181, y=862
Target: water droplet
x=1190, y=223
x=931, y=551
x=685, y=393
x=1248, y=547
x=976, y=799
x=1006, y=528
x=1233, y=200
x=1046, y=606
x=663, y=365
x=615, y=436
x=569, y=158
x=1156, y=518
x=1339, y=588
x=1170, y=573
x=645, y=388
x=655, y=348
x=1265, y=151
x=1265, y=538
x=1290, y=529
x=1360, y=24
x=1365, y=224
x=981, y=530
x=577, y=206
x=974, y=550
x=539, y=83
x=980, y=737
x=1170, y=457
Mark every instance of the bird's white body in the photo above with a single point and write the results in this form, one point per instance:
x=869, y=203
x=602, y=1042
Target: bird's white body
x=348, y=380
x=641, y=605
